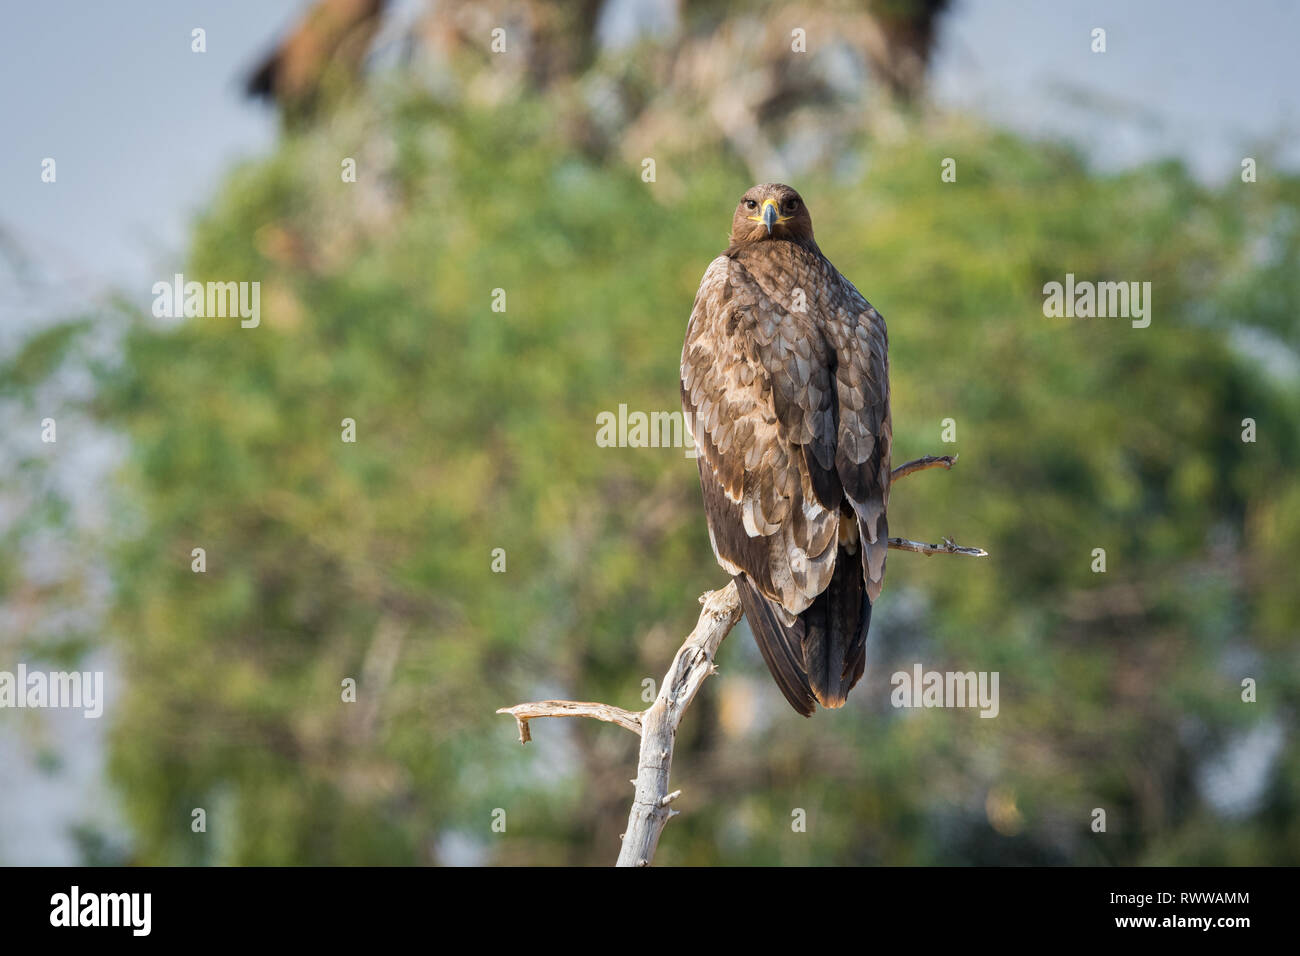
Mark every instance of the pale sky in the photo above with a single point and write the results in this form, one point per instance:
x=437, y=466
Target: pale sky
x=142, y=128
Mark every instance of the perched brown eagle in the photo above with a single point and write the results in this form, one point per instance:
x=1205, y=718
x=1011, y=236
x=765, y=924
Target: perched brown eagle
x=785, y=385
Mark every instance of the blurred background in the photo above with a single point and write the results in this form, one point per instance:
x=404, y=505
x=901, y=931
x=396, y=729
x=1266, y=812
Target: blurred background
x=524, y=171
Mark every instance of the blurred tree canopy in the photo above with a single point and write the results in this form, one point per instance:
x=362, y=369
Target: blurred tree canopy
x=475, y=430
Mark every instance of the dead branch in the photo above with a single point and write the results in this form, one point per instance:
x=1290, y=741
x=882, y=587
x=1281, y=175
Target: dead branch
x=523, y=713
x=948, y=547
x=693, y=663
x=659, y=723
x=917, y=547
x=921, y=464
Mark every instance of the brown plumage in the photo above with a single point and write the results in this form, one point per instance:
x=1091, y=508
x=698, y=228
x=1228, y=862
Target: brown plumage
x=785, y=385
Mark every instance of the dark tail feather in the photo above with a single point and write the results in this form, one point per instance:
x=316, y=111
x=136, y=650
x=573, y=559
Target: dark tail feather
x=823, y=654
x=781, y=647
x=835, y=633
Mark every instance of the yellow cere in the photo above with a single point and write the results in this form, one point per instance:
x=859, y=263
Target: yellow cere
x=766, y=203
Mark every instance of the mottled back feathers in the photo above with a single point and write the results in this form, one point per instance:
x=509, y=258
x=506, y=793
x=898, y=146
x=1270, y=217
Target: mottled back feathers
x=785, y=385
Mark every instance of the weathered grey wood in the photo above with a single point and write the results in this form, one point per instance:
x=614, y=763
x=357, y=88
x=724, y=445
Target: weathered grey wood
x=948, y=547
x=523, y=713
x=659, y=723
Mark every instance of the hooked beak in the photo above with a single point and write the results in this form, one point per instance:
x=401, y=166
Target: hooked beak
x=769, y=215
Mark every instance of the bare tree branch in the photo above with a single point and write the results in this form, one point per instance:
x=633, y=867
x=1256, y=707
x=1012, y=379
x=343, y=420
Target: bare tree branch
x=692, y=664
x=948, y=547
x=523, y=713
x=921, y=464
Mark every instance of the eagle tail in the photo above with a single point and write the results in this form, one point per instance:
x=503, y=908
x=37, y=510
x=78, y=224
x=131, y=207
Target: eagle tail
x=780, y=645
x=819, y=657
x=835, y=633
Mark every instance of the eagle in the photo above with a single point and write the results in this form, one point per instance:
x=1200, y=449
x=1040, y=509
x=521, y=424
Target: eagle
x=785, y=391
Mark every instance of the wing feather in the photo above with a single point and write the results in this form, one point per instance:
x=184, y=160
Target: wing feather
x=764, y=441
x=789, y=410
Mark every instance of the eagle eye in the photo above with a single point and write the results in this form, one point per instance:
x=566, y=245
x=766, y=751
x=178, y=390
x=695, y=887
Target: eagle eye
x=791, y=205
x=751, y=204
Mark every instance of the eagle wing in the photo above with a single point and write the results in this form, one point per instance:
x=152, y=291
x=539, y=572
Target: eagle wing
x=784, y=380
x=751, y=428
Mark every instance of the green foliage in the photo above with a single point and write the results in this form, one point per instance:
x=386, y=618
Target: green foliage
x=476, y=430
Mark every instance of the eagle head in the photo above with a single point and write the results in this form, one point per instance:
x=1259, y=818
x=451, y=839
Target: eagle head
x=771, y=211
